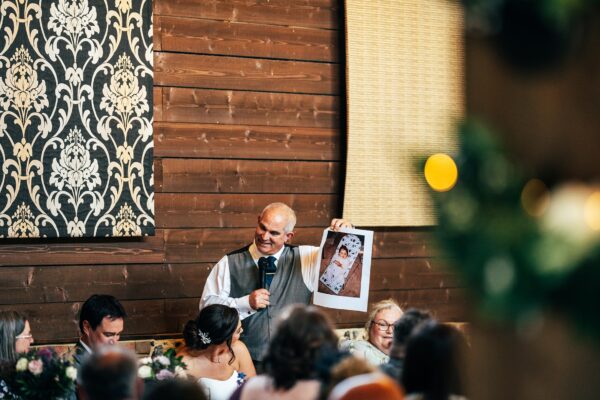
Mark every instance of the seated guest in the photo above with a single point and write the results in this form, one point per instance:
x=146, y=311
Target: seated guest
x=380, y=330
x=15, y=338
x=432, y=365
x=213, y=352
x=110, y=373
x=101, y=322
x=407, y=323
x=176, y=389
x=301, y=338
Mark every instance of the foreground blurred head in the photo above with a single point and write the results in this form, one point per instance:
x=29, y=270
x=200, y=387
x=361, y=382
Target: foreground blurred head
x=176, y=389
x=109, y=374
x=303, y=335
x=433, y=363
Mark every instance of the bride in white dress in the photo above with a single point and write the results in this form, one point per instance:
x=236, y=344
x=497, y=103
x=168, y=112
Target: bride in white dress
x=213, y=352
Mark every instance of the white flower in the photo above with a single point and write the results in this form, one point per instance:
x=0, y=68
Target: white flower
x=145, y=372
x=21, y=364
x=35, y=367
x=180, y=372
x=163, y=360
x=146, y=360
x=71, y=373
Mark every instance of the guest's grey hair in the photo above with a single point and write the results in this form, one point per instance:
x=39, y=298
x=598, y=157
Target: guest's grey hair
x=388, y=304
x=11, y=325
x=284, y=209
x=110, y=373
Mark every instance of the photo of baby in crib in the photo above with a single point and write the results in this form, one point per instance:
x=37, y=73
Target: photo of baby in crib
x=341, y=264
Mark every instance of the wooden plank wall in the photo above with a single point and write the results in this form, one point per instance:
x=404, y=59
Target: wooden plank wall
x=248, y=110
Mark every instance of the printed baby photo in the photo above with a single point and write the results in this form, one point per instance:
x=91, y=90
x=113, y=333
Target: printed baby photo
x=341, y=264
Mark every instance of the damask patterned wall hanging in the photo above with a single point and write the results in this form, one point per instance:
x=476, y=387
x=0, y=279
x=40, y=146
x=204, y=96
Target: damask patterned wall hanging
x=76, y=118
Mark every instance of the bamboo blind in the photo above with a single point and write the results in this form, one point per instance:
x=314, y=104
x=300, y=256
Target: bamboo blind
x=405, y=78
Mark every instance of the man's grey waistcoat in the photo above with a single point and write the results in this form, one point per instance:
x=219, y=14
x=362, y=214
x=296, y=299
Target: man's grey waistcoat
x=286, y=288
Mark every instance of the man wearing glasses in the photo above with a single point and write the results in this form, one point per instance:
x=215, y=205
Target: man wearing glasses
x=380, y=334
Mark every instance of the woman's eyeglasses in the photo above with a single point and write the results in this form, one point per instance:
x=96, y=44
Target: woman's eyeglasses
x=24, y=337
x=383, y=326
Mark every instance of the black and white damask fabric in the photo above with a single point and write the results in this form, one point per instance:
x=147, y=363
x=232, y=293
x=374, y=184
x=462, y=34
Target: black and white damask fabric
x=76, y=118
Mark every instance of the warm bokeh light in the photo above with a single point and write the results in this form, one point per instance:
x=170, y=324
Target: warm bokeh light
x=535, y=197
x=592, y=211
x=441, y=172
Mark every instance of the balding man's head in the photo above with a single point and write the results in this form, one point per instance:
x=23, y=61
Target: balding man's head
x=275, y=228
x=284, y=211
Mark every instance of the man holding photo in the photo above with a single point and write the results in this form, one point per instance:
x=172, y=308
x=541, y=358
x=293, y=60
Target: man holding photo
x=289, y=279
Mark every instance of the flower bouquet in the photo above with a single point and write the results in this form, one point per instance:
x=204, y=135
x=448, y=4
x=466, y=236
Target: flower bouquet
x=162, y=365
x=42, y=374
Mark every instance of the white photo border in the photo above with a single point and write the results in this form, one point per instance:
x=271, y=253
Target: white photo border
x=343, y=302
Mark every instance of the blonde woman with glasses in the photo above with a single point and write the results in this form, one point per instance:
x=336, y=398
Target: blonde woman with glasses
x=379, y=334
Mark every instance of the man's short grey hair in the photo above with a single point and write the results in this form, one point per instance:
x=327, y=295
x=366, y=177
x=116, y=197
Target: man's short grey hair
x=286, y=210
x=110, y=373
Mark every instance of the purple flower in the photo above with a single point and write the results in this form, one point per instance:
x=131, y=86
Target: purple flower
x=45, y=353
x=164, y=374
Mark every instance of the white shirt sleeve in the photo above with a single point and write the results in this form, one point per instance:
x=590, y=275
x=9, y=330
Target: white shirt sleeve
x=309, y=258
x=218, y=287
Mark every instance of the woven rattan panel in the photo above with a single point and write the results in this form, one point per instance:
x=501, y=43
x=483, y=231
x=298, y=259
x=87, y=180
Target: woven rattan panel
x=405, y=95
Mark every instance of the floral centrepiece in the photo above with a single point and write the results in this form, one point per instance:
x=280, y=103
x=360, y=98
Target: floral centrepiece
x=41, y=374
x=162, y=365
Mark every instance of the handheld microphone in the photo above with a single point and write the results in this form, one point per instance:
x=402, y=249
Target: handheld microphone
x=266, y=272
x=262, y=273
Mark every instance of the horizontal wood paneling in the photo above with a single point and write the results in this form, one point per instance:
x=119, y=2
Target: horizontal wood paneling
x=157, y=94
x=402, y=242
x=191, y=210
x=74, y=283
x=249, y=108
x=94, y=251
x=448, y=305
x=305, y=13
x=209, y=245
x=57, y=322
x=411, y=273
x=192, y=35
x=244, y=141
x=157, y=33
x=248, y=176
x=218, y=72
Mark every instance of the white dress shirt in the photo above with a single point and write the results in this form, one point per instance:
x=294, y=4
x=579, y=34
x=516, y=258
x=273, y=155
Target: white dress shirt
x=85, y=346
x=218, y=283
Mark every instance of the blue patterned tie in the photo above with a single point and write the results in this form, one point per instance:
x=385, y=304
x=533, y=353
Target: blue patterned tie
x=267, y=264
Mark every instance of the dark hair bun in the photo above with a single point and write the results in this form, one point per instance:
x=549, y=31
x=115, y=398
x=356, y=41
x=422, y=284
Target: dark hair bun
x=214, y=325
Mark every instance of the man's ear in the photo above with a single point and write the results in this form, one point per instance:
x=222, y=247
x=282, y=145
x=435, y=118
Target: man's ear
x=289, y=236
x=87, y=328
